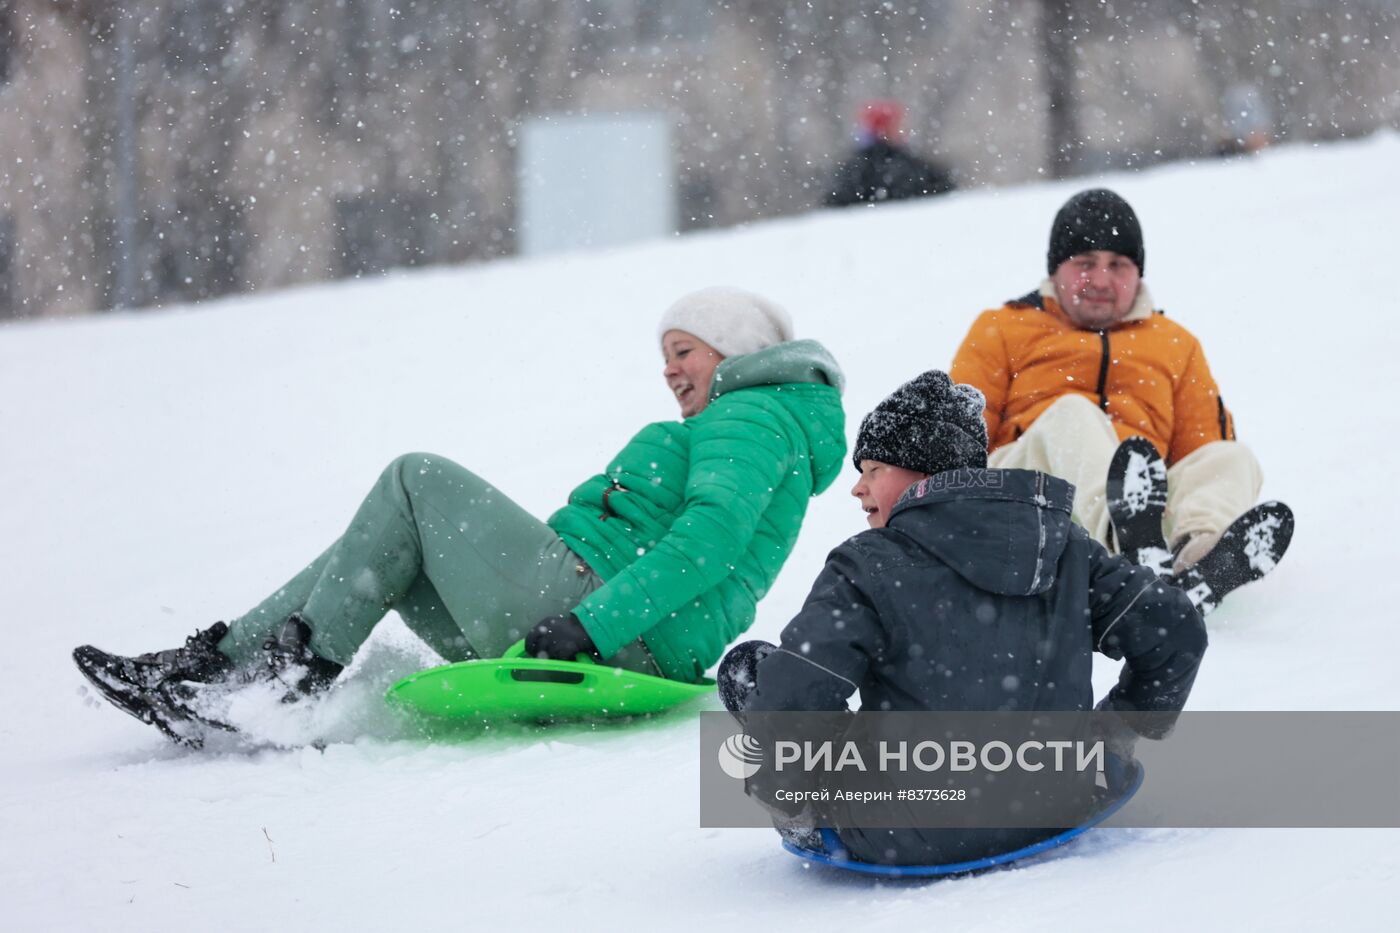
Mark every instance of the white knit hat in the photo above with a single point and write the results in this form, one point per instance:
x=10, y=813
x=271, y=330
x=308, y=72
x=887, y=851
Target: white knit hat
x=731, y=320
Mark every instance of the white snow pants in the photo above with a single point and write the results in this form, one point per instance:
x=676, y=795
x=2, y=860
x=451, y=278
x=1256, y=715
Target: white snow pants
x=1074, y=440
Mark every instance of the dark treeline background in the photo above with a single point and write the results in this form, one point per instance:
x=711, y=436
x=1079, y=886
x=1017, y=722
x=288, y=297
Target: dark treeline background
x=157, y=151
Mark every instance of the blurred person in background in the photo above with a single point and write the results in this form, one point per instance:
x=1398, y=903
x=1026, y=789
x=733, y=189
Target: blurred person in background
x=1249, y=123
x=881, y=169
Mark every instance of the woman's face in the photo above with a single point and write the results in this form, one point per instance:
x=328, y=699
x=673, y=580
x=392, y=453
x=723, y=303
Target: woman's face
x=690, y=367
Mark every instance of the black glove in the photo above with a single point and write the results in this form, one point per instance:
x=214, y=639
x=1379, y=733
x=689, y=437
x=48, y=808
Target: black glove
x=560, y=638
x=737, y=677
x=1118, y=736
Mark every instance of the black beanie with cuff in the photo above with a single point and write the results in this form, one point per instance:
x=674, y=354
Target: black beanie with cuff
x=1092, y=220
x=927, y=425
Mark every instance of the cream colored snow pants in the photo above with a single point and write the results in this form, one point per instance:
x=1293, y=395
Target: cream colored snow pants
x=1074, y=440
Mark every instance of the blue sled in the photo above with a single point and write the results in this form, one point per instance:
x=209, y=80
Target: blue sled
x=834, y=854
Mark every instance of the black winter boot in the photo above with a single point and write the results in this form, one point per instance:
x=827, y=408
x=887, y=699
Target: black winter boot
x=292, y=662
x=146, y=684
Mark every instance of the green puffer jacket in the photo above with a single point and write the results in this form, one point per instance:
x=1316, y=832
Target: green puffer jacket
x=692, y=521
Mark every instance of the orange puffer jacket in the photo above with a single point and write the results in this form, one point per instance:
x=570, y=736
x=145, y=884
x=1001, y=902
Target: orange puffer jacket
x=1148, y=374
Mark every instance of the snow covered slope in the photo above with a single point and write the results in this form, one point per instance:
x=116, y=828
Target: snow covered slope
x=160, y=471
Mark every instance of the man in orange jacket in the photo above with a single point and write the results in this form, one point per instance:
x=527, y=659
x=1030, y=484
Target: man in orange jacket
x=1085, y=362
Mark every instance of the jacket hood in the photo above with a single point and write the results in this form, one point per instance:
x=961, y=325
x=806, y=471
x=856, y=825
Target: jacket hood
x=794, y=361
x=817, y=381
x=1001, y=530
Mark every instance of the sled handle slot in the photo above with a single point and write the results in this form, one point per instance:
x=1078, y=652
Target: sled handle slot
x=545, y=676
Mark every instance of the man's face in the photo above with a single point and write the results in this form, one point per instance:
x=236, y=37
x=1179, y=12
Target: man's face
x=1096, y=289
x=879, y=488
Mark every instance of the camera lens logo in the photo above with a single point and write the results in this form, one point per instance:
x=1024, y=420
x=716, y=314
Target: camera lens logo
x=740, y=756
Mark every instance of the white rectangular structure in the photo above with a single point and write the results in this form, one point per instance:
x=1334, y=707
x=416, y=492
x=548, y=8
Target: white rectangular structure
x=596, y=180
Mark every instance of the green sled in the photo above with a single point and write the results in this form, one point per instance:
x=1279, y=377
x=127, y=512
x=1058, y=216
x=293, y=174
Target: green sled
x=515, y=688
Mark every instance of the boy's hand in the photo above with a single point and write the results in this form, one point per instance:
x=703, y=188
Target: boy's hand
x=560, y=638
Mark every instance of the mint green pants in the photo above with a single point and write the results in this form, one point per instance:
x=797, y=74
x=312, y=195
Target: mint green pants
x=467, y=569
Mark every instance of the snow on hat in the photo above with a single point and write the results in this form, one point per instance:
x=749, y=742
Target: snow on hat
x=1096, y=219
x=928, y=425
x=731, y=320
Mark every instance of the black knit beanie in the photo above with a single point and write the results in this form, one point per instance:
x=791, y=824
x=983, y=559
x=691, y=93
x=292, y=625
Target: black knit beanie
x=927, y=425
x=1096, y=219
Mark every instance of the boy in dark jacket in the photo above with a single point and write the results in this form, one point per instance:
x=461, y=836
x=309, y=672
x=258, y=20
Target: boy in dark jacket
x=972, y=590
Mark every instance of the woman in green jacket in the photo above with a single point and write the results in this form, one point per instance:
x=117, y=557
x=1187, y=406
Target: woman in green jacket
x=654, y=565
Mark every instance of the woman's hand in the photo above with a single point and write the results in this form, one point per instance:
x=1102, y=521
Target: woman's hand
x=560, y=638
